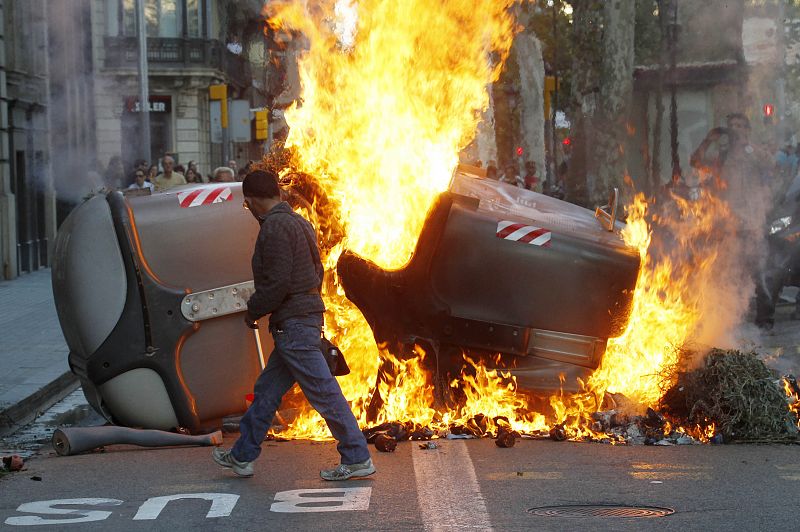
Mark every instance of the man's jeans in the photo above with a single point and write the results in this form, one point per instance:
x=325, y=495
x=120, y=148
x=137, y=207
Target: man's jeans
x=297, y=358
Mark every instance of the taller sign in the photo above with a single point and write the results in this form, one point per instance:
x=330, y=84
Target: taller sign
x=155, y=104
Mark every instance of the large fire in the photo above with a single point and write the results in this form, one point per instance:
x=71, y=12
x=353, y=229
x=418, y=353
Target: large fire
x=391, y=92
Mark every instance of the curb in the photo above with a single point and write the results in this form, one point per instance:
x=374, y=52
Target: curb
x=28, y=409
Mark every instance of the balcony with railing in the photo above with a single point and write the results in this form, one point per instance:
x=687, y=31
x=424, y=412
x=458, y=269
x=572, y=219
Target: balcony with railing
x=123, y=52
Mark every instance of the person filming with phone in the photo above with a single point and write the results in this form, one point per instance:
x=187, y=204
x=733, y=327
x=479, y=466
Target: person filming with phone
x=743, y=176
x=740, y=169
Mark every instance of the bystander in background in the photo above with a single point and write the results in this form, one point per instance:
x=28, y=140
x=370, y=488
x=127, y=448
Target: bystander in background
x=192, y=176
x=223, y=174
x=530, y=179
x=114, y=176
x=170, y=178
x=140, y=182
x=511, y=176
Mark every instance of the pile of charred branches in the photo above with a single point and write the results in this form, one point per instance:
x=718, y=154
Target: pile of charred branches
x=736, y=392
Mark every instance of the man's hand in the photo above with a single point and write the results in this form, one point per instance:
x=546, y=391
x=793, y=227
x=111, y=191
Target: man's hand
x=715, y=134
x=250, y=321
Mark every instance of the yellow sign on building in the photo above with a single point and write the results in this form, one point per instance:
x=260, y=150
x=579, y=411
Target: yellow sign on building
x=220, y=92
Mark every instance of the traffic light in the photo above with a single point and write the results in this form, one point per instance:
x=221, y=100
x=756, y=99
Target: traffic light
x=261, y=124
x=769, y=111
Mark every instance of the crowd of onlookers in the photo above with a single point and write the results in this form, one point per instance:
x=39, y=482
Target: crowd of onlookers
x=529, y=179
x=165, y=174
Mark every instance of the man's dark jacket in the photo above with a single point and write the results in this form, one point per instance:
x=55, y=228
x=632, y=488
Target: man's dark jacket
x=287, y=270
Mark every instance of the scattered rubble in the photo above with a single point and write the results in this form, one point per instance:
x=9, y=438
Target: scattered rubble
x=558, y=432
x=733, y=397
x=13, y=463
x=505, y=438
x=385, y=443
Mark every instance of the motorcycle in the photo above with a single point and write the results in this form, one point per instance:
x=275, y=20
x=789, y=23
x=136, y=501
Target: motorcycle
x=782, y=266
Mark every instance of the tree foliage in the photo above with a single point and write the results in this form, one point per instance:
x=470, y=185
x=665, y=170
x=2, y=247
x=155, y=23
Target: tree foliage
x=647, y=39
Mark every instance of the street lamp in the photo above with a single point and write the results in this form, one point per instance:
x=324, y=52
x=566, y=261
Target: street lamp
x=144, y=96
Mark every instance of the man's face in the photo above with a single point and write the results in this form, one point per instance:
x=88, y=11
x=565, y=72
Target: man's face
x=139, y=178
x=169, y=164
x=232, y=164
x=255, y=206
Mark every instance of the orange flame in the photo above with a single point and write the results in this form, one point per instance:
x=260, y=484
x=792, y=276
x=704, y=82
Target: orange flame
x=392, y=91
x=382, y=122
x=793, y=398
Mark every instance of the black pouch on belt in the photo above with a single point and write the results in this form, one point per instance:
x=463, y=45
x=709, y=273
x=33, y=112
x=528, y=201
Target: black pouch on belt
x=334, y=357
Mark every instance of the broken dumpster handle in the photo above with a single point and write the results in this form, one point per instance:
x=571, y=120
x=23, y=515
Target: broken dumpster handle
x=607, y=218
x=73, y=440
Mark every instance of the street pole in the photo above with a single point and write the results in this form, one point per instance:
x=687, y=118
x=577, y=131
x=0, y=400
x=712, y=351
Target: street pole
x=225, y=139
x=554, y=102
x=144, y=91
x=673, y=91
x=780, y=82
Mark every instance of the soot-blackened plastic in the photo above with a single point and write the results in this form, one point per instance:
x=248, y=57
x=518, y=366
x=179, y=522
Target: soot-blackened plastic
x=550, y=307
x=121, y=269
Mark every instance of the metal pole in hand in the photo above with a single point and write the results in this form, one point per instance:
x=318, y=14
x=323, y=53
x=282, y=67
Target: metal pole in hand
x=260, y=351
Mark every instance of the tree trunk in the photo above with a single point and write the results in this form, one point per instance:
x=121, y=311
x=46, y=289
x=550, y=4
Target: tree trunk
x=585, y=88
x=485, y=140
x=531, y=75
x=603, y=85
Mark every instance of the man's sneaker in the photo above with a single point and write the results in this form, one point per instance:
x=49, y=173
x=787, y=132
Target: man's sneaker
x=345, y=471
x=226, y=459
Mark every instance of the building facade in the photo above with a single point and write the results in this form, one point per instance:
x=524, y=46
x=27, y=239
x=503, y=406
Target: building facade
x=27, y=201
x=190, y=46
x=69, y=101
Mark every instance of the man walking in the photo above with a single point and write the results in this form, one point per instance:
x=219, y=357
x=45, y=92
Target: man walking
x=288, y=275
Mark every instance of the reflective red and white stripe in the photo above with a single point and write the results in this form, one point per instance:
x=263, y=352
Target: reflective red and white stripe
x=528, y=234
x=204, y=196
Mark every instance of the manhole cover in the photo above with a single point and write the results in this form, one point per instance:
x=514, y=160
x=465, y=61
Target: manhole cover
x=600, y=510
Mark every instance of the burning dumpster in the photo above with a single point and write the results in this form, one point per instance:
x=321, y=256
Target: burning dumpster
x=149, y=292
x=499, y=269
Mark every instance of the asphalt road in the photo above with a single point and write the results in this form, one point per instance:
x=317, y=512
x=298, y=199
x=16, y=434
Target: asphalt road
x=463, y=484
x=468, y=484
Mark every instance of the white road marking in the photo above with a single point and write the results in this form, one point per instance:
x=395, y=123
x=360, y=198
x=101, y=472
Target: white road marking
x=789, y=472
x=47, y=508
x=345, y=499
x=221, y=504
x=447, y=488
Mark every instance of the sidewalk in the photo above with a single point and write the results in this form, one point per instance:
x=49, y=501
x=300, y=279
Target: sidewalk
x=34, y=372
